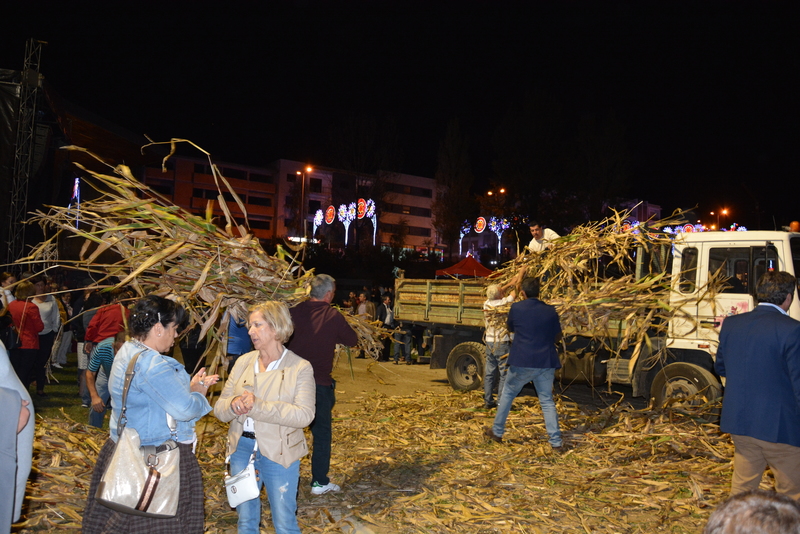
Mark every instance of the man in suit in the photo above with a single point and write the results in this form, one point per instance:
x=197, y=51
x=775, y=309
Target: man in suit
x=759, y=354
x=533, y=357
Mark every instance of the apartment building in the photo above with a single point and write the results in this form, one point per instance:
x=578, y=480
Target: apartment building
x=283, y=199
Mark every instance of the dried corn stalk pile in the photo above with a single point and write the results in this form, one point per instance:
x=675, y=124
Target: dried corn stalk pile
x=420, y=464
x=164, y=249
x=589, y=276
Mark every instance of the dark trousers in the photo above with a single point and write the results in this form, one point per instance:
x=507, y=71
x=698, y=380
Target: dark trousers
x=321, y=431
x=39, y=370
x=23, y=361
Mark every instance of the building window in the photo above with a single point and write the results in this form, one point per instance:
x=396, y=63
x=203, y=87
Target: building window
x=201, y=168
x=314, y=205
x=408, y=210
x=263, y=178
x=291, y=178
x=204, y=193
x=238, y=174
x=260, y=225
x=410, y=190
x=260, y=201
x=163, y=189
x=315, y=185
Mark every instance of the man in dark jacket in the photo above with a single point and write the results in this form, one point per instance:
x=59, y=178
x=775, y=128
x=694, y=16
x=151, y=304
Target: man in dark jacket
x=533, y=357
x=318, y=328
x=759, y=354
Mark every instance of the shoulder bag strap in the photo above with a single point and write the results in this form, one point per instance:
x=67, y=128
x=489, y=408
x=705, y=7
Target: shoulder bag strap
x=123, y=419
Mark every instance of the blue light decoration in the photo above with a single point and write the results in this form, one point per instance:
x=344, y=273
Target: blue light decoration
x=76, y=199
x=465, y=229
x=347, y=214
x=372, y=216
x=498, y=226
x=318, y=217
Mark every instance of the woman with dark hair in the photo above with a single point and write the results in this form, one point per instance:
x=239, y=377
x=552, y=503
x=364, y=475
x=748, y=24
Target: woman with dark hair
x=269, y=398
x=28, y=323
x=160, y=389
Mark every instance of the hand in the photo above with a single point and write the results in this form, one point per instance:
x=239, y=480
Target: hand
x=98, y=405
x=202, y=381
x=243, y=403
x=24, y=415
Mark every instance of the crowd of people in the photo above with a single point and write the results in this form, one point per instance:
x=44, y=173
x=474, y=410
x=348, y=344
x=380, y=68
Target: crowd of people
x=280, y=383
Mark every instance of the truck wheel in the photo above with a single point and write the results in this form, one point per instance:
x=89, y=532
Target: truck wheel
x=681, y=380
x=465, y=366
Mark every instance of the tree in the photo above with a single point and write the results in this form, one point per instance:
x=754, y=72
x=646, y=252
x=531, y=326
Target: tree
x=453, y=202
x=398, y=239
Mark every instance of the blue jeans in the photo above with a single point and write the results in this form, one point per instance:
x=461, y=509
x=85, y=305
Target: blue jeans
x=494, y=367
x=402, y=342
x=321, y=431
x=281, y=484
x=542, y=379
x=101, y=384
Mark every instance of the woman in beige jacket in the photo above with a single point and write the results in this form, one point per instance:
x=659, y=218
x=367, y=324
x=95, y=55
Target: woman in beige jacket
x=269, y=398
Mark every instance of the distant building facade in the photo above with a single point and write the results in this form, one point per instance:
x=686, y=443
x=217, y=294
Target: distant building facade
x=283, y=198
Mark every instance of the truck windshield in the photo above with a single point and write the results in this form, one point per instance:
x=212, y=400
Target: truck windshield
x=795, y=244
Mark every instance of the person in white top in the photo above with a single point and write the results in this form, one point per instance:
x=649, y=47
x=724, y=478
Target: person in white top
x=497, y=341
x=7, y=295
x=542, y=237
x=48, y=310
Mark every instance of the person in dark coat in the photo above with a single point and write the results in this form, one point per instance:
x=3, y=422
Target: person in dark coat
x=533, y=357
x=759, y=354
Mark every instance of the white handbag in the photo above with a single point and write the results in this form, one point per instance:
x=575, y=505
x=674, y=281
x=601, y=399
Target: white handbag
x=243, y=486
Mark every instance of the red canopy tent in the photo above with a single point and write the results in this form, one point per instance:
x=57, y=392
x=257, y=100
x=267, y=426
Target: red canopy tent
x=469, y=266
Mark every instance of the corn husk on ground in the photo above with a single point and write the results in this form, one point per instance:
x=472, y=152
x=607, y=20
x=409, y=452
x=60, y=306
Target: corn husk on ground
x=162, y=248
x=420, y=464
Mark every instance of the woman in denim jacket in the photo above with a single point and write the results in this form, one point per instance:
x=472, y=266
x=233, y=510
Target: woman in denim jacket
x=269, y=398
x=160, y=386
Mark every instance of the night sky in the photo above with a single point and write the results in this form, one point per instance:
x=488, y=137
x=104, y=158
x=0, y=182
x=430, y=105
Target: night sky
x=707, y=91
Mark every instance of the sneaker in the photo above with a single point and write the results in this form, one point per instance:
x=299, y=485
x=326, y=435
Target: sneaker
x=84, y=405
x=319, y=489
x=57, y=366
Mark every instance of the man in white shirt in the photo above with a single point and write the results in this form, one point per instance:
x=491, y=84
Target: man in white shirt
x=542, y=237
x=497, y=340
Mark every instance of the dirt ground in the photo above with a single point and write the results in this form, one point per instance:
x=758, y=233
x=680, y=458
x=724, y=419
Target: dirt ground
x=359, y=377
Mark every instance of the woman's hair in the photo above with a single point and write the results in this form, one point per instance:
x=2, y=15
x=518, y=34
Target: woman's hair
x=152, y=309
x=5, y=276
x=24, y=290
x=277, y=315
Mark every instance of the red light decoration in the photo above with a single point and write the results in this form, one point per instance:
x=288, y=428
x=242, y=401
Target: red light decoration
x=330, y=214
x=480, y=225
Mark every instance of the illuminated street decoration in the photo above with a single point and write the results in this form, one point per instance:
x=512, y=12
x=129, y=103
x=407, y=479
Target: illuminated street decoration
x=346, y=215
x=465, y=229
x=361, y=208
x=480, y=225
x=318, y=216
x=498, y=226
x=76, y=200
x=370, y=214
x=330, y=215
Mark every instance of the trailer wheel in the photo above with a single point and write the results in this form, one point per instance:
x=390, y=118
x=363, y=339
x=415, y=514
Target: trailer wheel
x=685, y=383
x=465, y=366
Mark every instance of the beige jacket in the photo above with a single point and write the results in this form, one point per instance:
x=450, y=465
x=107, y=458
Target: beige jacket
x=285, y=404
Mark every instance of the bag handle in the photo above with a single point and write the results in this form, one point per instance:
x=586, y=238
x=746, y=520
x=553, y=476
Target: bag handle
x=129, y=372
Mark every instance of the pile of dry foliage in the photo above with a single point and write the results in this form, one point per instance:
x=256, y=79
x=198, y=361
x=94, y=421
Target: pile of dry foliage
x=420, y=464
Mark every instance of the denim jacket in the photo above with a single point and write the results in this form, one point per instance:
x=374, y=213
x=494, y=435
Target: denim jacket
x=160, y=386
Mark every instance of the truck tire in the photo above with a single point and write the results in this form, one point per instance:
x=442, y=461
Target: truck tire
x=465, y=366
x=681, y=380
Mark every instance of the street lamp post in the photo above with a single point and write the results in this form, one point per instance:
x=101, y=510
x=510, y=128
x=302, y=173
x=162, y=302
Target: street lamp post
x=723, y=211
x=302, y=175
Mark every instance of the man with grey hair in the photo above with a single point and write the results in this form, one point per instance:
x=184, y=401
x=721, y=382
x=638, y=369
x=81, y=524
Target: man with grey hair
x=497, y=339
x=759, y=354
x=318, y=328
x=764, y=512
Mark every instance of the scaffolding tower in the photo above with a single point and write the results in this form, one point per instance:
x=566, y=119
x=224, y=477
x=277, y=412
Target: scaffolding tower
x=23, y=149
